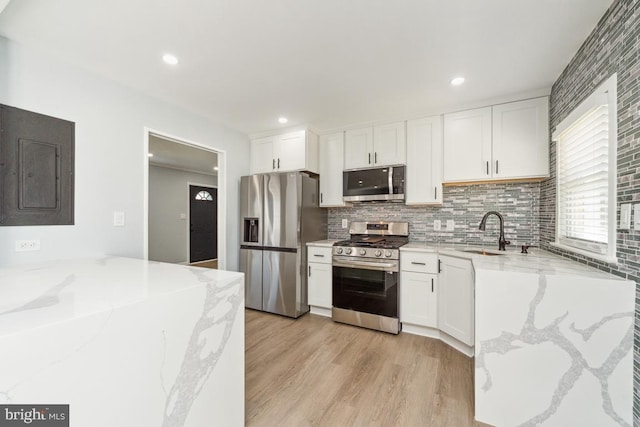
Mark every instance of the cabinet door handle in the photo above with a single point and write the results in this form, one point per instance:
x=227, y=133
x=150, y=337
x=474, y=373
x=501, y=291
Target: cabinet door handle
x=418, y=263
x=309, y=271
x=273, y=163
x=319, y=256
x=375, y=157
x=496, y=167
x=439, y=266
x=321, y=198
x=278, y=163
x=487, y=167
x=369, y=158
x=432, y=285
x=435, y=192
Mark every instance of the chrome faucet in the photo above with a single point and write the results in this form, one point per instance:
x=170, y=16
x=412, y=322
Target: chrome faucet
x=502, y=242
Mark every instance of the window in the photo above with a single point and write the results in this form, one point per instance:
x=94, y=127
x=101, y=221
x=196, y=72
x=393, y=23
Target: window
x=204, y=195
x=586, y=176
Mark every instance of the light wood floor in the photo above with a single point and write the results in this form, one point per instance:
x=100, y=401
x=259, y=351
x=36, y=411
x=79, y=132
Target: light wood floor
x=315, y=372
x=206, y=264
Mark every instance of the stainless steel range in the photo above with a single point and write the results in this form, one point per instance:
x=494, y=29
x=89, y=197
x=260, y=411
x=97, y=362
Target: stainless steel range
x=366, y=273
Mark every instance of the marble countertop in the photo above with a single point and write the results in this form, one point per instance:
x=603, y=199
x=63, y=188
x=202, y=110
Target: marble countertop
x=537, y=261
x=323, y=243
x=37, y=295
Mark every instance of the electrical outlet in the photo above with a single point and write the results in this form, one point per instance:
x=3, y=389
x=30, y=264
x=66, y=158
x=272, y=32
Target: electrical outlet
x=118, y=219
x=437, y=225
x=27, y=245
x=451, y=224
x=625, y=216
x=345, y=223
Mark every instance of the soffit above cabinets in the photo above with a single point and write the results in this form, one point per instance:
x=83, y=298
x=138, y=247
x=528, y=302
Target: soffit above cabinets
x=324, y=64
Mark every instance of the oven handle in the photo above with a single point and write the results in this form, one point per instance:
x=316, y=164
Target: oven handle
x=379, y=266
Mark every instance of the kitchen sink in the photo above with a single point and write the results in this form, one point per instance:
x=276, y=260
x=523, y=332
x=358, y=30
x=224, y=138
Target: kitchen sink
x=480, y=251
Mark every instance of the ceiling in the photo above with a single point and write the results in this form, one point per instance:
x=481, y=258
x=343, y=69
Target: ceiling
x=321, y=63
x=169, y=153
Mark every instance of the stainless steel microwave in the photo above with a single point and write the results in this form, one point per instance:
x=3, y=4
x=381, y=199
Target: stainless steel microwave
x=377, y=184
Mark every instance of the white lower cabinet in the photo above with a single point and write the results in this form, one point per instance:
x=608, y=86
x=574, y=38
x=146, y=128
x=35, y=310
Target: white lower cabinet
x=419, y=289
x=456, y=299
x=319, y=280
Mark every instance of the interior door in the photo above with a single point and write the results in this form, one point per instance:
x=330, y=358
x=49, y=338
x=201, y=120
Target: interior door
x=203, y=223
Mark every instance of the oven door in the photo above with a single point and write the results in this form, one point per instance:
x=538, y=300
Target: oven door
x=369, y=286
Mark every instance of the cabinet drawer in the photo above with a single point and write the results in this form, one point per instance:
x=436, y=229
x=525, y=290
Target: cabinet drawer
x=419, y=262
x=319, y=254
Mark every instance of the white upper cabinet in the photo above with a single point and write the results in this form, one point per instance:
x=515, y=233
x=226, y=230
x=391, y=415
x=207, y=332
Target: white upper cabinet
x=424, y=161
x=331, y=149
x=389, y=144
x=506, y=141
x=467, y=145
x=262, y=159
x=358, y=148
x=382, y=145
x=521, y=139
x=287, y=152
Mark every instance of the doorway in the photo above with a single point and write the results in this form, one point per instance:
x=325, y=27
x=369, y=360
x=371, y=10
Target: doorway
x=175, y=169
x=203, y=221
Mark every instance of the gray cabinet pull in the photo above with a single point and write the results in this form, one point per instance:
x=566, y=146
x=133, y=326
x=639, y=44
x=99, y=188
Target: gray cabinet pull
x=273, y=163
x=418, y=263
x=487, y=167
x=496, y=167
x=309, y=271
x=369, y=158
x=375, y=157
x=320, y=197
x=278, y=163
x=435, y=192
x=432, y=285
x=319, y=255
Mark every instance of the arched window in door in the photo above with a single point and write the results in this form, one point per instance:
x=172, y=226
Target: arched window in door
x=204, y=195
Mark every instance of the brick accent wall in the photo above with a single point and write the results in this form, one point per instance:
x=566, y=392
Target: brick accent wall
x=518, y=203
x=613, y=46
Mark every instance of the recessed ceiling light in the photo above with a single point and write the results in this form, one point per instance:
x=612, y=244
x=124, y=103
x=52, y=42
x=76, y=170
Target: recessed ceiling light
x=457, y=81
x=170, y=59
x=150, y=154
x=283, y=120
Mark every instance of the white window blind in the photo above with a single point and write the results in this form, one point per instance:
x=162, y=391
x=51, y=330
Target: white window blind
x=583, y=182
x=586, y=166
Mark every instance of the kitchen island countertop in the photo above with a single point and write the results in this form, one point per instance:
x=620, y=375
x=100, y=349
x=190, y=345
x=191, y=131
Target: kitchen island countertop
x=102, y=333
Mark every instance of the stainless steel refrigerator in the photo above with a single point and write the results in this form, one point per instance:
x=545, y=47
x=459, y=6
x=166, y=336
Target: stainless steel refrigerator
x=280, y=213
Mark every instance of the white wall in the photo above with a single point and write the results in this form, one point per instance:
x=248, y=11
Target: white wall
x=168, y=198
x=110, y=158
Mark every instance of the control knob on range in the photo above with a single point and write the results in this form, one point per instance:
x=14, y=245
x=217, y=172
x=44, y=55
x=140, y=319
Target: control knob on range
x=363, y=252
x=339, y=250
x=378, y=253
x=387, y=254
x=348, y=251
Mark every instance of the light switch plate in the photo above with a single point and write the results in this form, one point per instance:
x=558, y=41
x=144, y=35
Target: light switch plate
x=625, y=216
x=451, y=224
x=345, y=223
x=636, y=217
x=118, y=219
x=437, y=225
x=27, y=245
